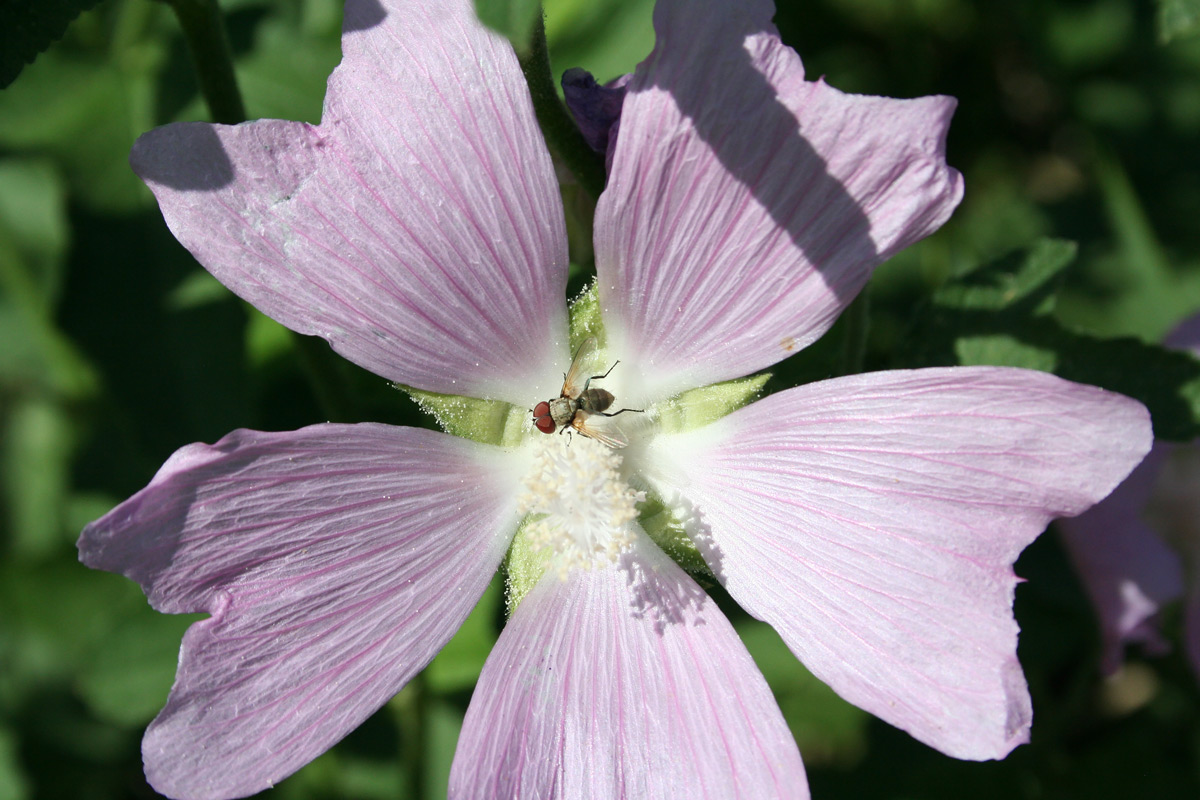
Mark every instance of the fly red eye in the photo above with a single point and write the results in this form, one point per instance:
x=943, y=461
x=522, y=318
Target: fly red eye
x=542, y=409
x=545, y=423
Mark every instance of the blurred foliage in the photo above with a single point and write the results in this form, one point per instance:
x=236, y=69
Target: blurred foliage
x=1076, y=249
x=1178, y=18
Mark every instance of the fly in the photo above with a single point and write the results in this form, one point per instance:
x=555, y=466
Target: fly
x=575, y=403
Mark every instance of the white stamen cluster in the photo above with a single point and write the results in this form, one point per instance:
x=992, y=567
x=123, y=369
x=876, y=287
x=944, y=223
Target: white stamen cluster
x=580, y=507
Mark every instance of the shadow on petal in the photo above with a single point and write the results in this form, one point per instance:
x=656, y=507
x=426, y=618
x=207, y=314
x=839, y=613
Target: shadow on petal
x=751, y=156
x=361, y=15
x=661, y=597
x=199, y=164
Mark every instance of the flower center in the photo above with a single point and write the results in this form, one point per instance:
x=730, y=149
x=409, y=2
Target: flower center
x=581, y=508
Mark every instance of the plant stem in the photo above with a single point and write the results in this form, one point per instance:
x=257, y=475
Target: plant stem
x=562, y=135
x=204, y=29
x=321, y=368
x=411, y=710
x=854, y=342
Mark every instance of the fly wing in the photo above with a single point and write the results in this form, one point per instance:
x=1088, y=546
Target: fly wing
x=577, y=374
x=606, y=432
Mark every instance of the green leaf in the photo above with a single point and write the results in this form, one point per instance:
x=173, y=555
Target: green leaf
x=607, y=39
x=13, y=783
x=1177, y=18
x=458, y=664
x=56, y=615
x=85, y=113
x=38, y=444
x=33, y=223
x=513, y=18
x=443, y=723
x=1021, y=279
x=998, y=315
x=28, y=27
x=127, y=679
x=827, y=728
x=284, y=76
x=1002, y=350
x=33, y=240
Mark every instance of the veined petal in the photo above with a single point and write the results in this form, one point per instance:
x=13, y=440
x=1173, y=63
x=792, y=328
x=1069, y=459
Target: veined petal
x=873, y=521
x=335, y=561
x=1127, y=570
x=746, y=207
x=418, y=229
x=624, y=682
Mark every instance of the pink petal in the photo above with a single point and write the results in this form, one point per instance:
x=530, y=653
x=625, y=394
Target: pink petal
x=1127, y=570
x=625, y=682
x=873, y=521
x=418, y=228
x=746, y=207
x=335, y=562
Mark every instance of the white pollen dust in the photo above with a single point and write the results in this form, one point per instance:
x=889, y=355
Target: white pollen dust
x=581, y=509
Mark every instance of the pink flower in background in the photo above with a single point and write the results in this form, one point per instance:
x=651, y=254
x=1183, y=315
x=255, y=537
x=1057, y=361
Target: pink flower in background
x=872, y=520
x=1139, y=549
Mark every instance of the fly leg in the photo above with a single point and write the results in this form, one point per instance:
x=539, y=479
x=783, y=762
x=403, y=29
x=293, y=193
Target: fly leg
x=622, y=411
x=588, y=382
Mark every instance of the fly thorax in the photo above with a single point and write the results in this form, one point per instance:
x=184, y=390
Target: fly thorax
x=562, y=411
x=580, y=511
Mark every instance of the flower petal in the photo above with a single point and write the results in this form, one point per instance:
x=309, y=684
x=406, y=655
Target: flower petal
x=418, y=229
x=625, y=682
x=746, y=207
x=873, y=521
x=335, y=561
x=1127, y=570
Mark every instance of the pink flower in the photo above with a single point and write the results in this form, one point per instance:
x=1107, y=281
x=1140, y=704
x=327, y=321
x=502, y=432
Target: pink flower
x=872, y=520
x=1139, y=549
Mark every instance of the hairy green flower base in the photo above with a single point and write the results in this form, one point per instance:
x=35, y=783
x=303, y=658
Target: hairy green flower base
x=661, y=523
x=523, y=566
x=585, y=318
x=488, y=421
x=696, y=408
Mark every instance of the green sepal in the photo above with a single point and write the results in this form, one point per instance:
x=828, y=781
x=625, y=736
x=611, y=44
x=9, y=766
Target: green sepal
x=586, y=319
x=524, y=565
x=662, y=524
x=487, y=421
x=696, y=408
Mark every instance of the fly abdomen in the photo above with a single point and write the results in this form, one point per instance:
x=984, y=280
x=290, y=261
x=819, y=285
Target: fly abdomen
x=595, y=401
